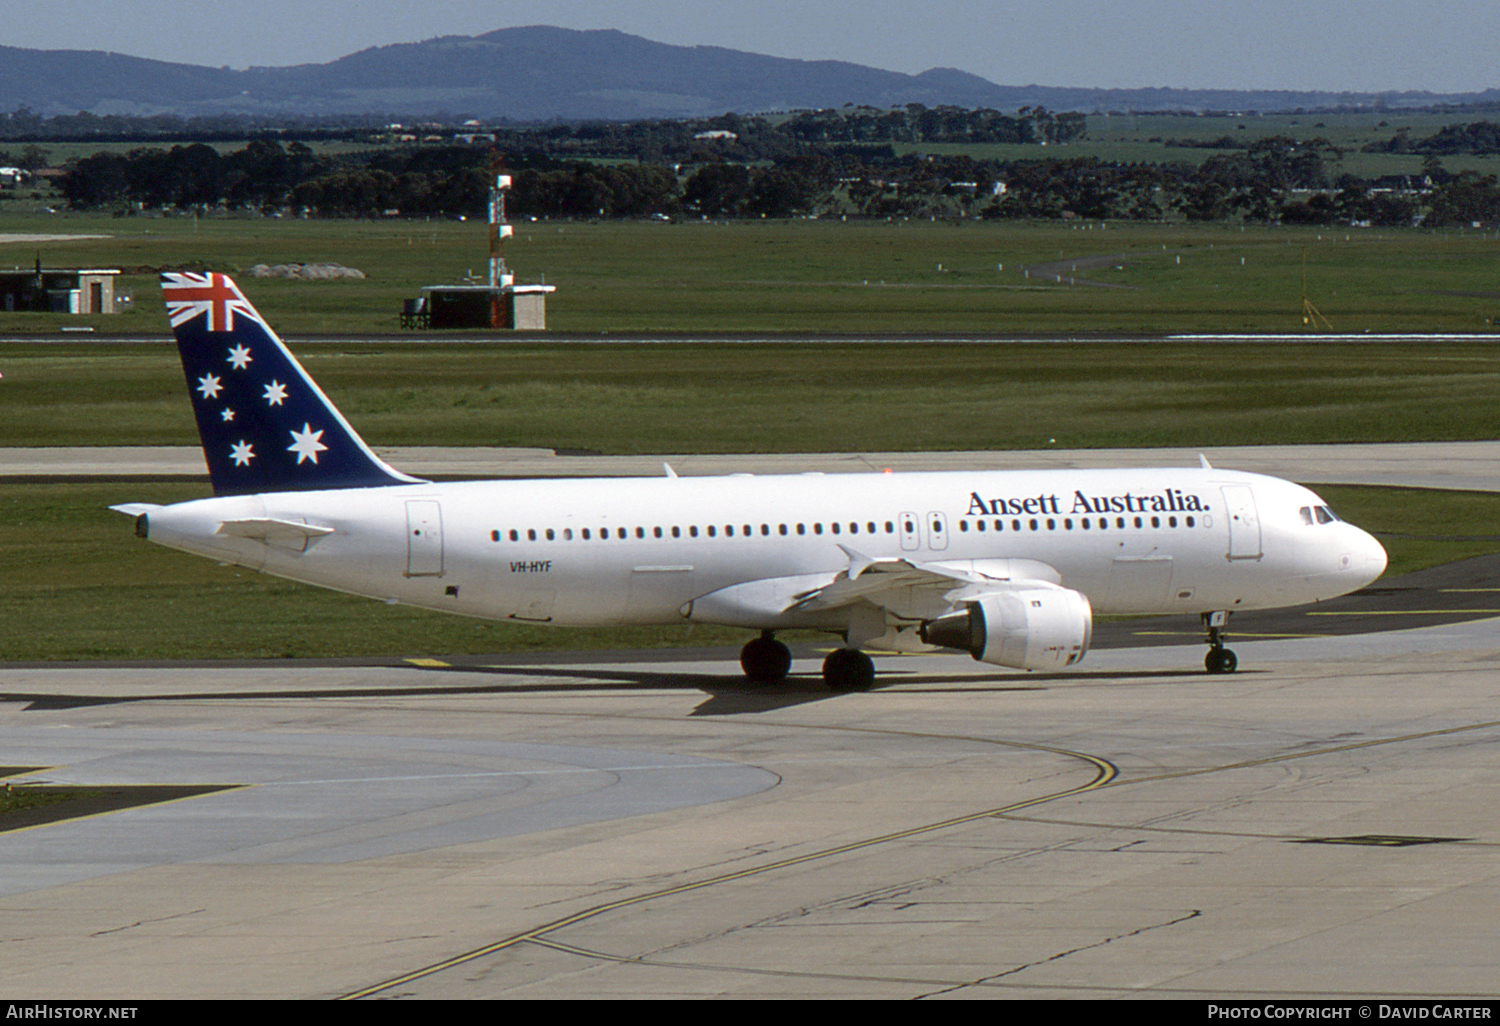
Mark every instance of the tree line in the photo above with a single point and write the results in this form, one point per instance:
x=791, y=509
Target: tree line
x=840, y=173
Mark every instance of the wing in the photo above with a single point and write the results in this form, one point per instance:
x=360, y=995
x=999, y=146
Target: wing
x=870, y=598
x=1007, y=612
x=921, y=591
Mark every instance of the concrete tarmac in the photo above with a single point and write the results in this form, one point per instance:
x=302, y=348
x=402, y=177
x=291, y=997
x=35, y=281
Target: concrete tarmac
x=1321, y=824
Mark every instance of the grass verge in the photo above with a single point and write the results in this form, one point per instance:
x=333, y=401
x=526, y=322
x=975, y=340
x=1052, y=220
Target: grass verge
x=806, y=276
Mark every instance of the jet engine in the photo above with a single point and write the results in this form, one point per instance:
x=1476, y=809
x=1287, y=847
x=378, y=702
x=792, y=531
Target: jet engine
x=1029, y=628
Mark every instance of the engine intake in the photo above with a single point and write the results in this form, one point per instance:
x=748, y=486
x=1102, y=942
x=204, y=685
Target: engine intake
x=1031, y=629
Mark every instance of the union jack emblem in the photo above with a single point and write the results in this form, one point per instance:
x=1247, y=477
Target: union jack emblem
x=189, y=295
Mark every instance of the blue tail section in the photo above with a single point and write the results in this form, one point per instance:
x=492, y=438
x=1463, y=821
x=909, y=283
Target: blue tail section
x=266, y=426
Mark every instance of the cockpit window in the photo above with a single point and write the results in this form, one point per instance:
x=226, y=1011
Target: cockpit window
x=1317, y=515
x=1307, y=515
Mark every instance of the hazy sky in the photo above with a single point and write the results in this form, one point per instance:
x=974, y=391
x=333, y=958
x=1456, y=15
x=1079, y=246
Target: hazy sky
x=1360, y=45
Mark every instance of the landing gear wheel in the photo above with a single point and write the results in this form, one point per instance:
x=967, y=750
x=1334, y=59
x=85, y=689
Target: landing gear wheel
x=764, y=659
x=848, y=669
x=1220, y=660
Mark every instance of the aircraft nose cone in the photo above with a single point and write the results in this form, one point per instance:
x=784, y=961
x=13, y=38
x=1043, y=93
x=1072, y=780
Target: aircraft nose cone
x=1366, y=559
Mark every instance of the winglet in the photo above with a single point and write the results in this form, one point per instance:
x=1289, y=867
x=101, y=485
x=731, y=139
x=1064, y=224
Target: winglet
x=265, y=424
x=1203, y=462
x=858, y=561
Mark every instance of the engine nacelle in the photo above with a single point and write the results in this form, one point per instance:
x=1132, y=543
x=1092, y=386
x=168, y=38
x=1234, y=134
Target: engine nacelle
x=1029, y=629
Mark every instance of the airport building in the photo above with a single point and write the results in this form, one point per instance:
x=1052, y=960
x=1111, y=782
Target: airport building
x=70, y=290
x=511, y=307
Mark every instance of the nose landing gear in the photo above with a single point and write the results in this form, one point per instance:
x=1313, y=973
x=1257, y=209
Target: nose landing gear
x=1219, y=658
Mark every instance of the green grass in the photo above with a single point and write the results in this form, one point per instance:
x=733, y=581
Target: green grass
x=819, y=277
x=1421, y=527
x=628, y=398
x=23, y=798
x=1141, y=138
x=76, y=585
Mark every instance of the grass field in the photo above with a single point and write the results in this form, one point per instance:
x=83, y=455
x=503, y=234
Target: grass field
x=810, y=277
x=75, y=585
x=1142, y=138
x=629, y=398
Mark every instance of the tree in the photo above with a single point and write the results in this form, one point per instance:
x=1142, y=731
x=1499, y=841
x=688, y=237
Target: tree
x=1468, y=197
x=717, y=190
x=96, y=181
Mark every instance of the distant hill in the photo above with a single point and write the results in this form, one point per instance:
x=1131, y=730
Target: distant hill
x=541, y=73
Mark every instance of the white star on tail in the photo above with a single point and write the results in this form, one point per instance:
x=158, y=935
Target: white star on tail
x=275, y=394
x=209, y=386
x=239, y=356
x=227, y=415
x=305, y=444
x=241, y=453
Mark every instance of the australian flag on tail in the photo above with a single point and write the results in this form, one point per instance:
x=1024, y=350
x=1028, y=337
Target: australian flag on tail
x=266, y=426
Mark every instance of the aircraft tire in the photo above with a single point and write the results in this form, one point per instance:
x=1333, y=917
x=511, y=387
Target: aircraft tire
x=765, y=660
x=1221, y=660
x=848, y=669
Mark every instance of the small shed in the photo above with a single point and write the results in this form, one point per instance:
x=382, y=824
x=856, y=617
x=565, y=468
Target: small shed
x=75, y=290
x=509, y=307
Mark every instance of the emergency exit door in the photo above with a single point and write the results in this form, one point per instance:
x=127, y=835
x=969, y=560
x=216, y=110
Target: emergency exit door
x=424, y=538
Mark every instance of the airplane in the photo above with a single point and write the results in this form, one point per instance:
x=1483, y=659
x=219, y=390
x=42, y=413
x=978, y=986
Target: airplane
x=1008, y=566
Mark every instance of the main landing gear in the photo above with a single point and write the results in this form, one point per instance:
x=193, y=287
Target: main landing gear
x=848, y=669
x=1219, y=658
x=766, y=660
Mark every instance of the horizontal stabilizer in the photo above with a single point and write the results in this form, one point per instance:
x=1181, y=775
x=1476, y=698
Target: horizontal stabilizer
x=135, y=509
x=269, y=529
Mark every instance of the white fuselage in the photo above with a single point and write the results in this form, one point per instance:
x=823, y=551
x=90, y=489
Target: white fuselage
x=670, y=549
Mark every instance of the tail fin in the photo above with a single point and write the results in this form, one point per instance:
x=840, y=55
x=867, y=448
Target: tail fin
x=266, y=425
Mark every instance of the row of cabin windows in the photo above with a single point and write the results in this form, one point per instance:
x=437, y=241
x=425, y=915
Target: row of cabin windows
x=1084, y=523
x=711, y=531
x=853, y=527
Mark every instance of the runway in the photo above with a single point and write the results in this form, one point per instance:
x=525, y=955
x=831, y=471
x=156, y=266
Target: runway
x=1321, y=824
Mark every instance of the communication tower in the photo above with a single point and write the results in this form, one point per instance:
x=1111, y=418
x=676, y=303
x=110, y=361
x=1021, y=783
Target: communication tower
x=500, y=303
x=500, y=229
